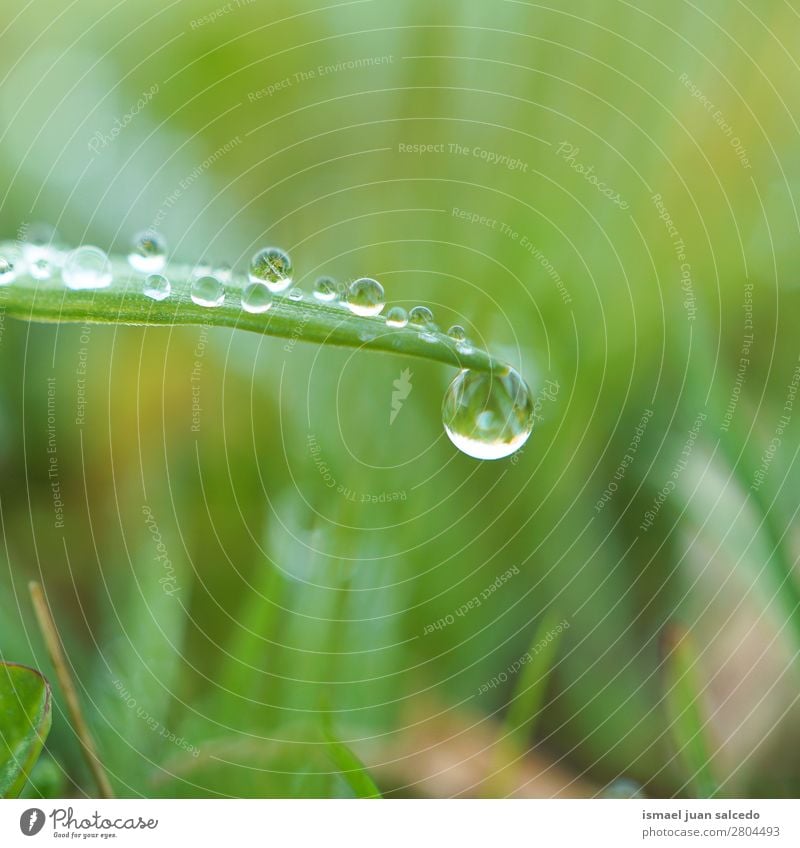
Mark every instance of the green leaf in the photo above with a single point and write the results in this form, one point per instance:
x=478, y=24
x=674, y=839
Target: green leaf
x=685, y=714
x=25, y=716
x=306, y=320
x=350, y=767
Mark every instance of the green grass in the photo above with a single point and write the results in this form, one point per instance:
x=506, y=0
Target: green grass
x=351, y=768
x=684, y=705
x=307, y=321
x=529, y=691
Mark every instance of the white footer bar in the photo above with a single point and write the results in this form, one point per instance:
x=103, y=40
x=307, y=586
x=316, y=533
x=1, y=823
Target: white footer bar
x=386, y=824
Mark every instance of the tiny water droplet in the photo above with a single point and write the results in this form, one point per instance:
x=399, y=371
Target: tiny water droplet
x=457, y=332
x=208, y=291
x=488, y=416
x=223, y=272
x=422, y=319
x=87, y=268
x=326, y=289
x=149, y=252
x=396, y=317
x=202, y=269
x=40, y=242
x=421, y=316
x=296, y=294
x=365, y=297
x=256, y=298
x=41, y=269
x=273, y=267
x=459, y=335
x=157, y=287
x=624, y=787
x=8, y=271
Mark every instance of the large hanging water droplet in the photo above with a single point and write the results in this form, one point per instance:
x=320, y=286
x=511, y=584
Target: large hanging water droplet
x=148, y=253
x=208, y=291
x=156, y=287
x=365, y=297
x=326, y=289
x=87, y=268
x=488, y=416
x=396, y=317
x=273, y=267
x=256, y=297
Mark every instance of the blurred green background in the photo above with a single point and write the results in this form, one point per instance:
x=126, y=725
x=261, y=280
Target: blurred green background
x=310, y=544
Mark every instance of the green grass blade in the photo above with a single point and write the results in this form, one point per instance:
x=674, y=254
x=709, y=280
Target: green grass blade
x=685, y=716
x=526, y=702
x=742, y=450
x=350, y=767
x=306, y=320
x=25, y=718
x=255, y=634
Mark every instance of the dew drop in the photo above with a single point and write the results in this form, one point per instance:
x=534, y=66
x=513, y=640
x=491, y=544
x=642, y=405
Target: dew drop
x=365, y=297
x=40, y=242
x=148, y=253
x=202, y=269
x=296, y=294
x=223, y=272
x=457, y=332
x=40, y=269
x=157, y=287
x=422, y=319
x=8, y=270
x=256, y=298
x=273, y=267
x=87, y=268
x=396, y=317
x=208, y=291
x=421, y=316
x=488, y=416
x=459, y=336
x=326, y=289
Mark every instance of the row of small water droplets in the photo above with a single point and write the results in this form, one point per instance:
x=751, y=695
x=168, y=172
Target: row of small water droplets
x=39, y=255
x=365, y=297
x=485, y=415
x=270, y=273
